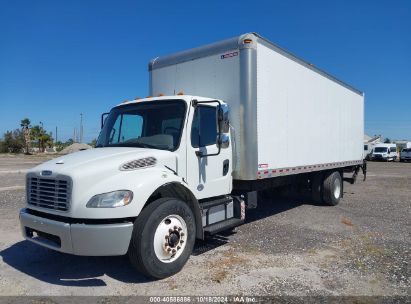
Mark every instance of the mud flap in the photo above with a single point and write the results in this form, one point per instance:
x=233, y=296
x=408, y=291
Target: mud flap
x=364, y=169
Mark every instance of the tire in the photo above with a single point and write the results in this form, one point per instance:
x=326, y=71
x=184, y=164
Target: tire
x=316, y=187
x=150, y=252
x=332, y=188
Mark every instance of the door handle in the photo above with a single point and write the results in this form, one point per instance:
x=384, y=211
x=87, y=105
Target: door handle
x=226, y=166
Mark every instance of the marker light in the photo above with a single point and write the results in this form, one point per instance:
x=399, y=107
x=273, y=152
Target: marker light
x=180, y=93
x=161, y=94
x=248, y=41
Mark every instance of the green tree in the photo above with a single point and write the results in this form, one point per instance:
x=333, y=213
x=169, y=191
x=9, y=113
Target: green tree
x=47, y=140
x=25, y=122
x=69, y=142
x=25, y=126
x=42, y=137
x=13, y=141
x=93, y=143
x=3, y=148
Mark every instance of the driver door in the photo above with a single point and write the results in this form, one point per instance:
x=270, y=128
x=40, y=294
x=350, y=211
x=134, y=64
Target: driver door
x=207, y=176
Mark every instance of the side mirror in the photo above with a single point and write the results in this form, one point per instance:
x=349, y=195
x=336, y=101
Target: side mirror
x=223, y=120
x=223, y=141
x=103, y=119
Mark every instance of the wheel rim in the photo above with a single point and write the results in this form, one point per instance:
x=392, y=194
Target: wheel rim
x=170, y=238
x=337, y=188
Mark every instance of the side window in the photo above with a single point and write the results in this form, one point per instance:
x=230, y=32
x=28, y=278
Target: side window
x=393, y=149
x=204, y=127
x=126, y=128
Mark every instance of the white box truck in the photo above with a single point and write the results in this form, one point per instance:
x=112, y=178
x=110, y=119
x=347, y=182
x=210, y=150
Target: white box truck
x=225, y=121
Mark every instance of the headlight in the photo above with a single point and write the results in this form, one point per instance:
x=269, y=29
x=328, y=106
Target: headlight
x=111, y=199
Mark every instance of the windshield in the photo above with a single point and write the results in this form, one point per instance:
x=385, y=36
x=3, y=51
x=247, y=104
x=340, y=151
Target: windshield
x=380, y=150
x=154, y=124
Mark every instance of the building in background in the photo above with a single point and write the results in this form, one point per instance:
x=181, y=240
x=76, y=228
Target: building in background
x=402, y=144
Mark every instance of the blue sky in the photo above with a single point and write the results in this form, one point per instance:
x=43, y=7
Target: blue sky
x=62, y=58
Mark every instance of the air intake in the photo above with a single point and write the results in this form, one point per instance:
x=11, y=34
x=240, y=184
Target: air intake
x=138, y=164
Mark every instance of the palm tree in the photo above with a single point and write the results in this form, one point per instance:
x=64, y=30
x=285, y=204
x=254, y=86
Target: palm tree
x=25, y=126
x=37, y=133
x=47, y=140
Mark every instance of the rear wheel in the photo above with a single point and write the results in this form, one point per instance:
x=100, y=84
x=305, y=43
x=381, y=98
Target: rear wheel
x=316, y=187
x=332, y=188
x=163, y=238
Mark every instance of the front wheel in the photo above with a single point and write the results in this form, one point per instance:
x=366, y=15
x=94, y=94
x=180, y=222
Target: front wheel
x=163, y=238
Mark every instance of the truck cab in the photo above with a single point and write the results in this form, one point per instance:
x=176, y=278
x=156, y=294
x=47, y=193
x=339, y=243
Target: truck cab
x=166, y=152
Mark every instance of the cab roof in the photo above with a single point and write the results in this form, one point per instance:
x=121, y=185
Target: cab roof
x=186, y=98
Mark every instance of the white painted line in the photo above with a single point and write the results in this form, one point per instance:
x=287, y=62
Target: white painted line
x=14, y=171
x=12, y=188
x=386, y=175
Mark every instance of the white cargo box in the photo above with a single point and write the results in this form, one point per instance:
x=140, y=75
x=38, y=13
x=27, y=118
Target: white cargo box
x=288, y=116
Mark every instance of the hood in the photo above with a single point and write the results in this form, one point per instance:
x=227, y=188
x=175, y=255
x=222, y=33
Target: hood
x=97, y=171
x=100, y=159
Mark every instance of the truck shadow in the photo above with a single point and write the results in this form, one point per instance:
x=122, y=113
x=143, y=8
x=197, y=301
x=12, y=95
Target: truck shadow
x=68, y=270
x=269, y=204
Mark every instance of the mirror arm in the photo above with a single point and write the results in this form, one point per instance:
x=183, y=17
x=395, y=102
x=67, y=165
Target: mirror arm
x=200, y=154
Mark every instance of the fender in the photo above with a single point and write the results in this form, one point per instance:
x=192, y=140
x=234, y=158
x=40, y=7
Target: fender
x=142, y=182
x=181, y=191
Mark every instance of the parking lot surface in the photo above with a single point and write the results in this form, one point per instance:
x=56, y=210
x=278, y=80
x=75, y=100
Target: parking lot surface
x=287, y=247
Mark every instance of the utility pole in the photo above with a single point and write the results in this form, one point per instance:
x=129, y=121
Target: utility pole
x=81, y=127
x=56, y=134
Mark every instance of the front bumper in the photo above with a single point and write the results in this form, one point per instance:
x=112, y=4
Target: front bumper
x=77, y=239
x=379, y=157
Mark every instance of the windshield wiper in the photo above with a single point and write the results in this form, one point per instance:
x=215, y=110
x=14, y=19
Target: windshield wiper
x=134, y=144
x=141, y=145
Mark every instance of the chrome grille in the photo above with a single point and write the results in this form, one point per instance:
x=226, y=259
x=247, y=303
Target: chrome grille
x=49, y=193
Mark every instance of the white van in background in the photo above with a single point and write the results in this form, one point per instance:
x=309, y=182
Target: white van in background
x=385, y=152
